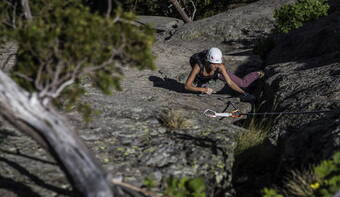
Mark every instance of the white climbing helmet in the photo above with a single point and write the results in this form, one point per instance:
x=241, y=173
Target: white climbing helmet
x=214, y=56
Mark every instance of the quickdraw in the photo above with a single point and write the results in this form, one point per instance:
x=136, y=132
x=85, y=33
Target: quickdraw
x=212, y=114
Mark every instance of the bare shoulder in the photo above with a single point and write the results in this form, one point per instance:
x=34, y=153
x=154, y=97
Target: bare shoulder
x=196, y=68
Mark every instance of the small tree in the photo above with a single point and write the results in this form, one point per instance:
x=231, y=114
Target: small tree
x=59, y=43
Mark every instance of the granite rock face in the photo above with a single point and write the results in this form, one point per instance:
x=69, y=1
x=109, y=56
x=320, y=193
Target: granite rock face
x=133, y=143
x=242, y=24
x=128, y=136
x=304, y=75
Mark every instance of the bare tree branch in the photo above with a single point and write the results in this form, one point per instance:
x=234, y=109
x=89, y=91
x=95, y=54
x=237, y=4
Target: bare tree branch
x=14, y=15
x=27, y=11
x=27, y=78
x=194, y=12
x=132, y=187
x=129, y=22
x=49, y=128
x=109, y=8
x=181, y=11
x=37, y=83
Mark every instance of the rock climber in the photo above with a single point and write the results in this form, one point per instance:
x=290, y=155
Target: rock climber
x=207, y=65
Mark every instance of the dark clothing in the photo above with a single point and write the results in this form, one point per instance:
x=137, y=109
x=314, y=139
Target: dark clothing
x=201, y=59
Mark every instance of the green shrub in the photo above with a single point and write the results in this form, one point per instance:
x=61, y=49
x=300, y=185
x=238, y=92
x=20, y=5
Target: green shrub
x=322, y=181
x=185, y=187
x=329, y=174
x=292, y=16
x=271, y=193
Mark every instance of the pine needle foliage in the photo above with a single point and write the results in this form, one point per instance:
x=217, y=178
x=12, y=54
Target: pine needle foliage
x=65, y=41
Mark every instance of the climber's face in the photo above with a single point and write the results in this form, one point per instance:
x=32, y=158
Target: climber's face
x=213, y=66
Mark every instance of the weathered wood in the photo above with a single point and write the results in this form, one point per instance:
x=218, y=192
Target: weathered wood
x=50, y=129
x=181, y=11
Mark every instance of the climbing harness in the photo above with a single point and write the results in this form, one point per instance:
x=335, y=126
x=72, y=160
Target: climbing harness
x=237, y=113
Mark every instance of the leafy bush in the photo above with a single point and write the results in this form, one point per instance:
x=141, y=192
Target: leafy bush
x=271, y=193
x=292, y=16
x=185, y=187
x=329, y=174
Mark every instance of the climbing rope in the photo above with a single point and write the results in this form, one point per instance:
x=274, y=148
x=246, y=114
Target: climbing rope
x=237, y=113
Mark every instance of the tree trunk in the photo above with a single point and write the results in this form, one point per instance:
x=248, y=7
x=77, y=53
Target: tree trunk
x=181, y=11
x=51, y=130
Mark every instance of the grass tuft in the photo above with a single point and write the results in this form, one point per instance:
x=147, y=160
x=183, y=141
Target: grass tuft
x=175, y=119
x=299, y=183
x=255, y=135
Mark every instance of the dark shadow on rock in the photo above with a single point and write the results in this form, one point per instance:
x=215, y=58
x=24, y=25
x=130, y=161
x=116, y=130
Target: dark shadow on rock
x=320, y=62
x=242, y=53
x=200, y=141
x=254, y=169
x=241, y=43
x=228, y=90
x=266, y=165
x=4, y=133
x=18, y=188
x=168, y=83
x=36, y=180
x=252, y=65
x=18, y=153
x=310, y=143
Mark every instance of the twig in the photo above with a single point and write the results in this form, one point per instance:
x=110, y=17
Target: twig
x=132, y=187
x=129, y=22
x=37, y=79
x=194, y=12
x=109, y=8
x=62, y=87
x=116, y=19
x=23, y=76
x=55, y=81
x=14, y=15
